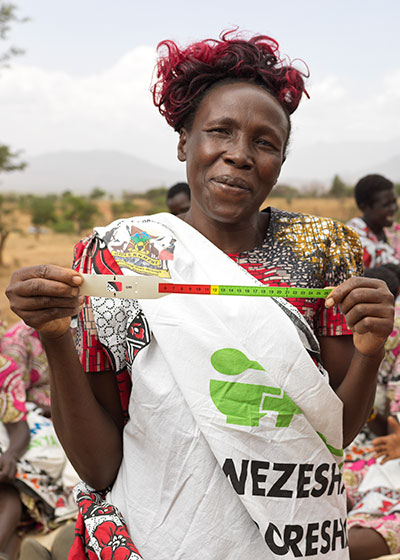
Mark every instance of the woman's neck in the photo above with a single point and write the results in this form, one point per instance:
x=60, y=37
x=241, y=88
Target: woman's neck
x=232, y=238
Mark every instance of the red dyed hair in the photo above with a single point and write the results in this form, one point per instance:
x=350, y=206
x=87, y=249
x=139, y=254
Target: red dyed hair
x=184, y=75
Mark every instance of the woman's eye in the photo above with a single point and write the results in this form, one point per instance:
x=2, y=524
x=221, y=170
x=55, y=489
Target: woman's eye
x=219, y=130
x=263, y=142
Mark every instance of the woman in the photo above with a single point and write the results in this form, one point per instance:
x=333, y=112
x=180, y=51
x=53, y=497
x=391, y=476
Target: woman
x=376, y=198
x=33, y=493
x=234, y=440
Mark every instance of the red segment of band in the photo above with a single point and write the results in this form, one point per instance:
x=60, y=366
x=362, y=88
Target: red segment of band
x=166, y=287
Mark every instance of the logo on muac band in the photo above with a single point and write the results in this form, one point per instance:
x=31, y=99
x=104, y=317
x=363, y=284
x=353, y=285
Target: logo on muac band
x=244, y=404
x=141, y=252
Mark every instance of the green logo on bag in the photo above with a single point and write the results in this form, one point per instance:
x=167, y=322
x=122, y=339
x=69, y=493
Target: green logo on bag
x=242, y=403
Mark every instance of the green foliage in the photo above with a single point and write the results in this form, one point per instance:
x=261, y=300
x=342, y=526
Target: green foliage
x=97, y=193
x=64, y=226
x=43, y=211
x=7, y=221
x=158, y=199
x=123, y=209
x=8, y=15
x=339, y=189
x=7, y=160
x=79, y=210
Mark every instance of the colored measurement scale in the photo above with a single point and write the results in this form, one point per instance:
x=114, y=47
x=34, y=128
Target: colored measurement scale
x=147, y=287
x=263, y=291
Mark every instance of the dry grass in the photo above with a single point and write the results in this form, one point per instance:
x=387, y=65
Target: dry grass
x=26, y=250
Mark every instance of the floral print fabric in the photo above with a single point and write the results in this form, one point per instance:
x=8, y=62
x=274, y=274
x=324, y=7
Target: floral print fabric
x=25, y=377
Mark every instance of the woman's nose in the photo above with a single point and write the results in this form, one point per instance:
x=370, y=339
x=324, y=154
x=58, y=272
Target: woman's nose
x=239, y=154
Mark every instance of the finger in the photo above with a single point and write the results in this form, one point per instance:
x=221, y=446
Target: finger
x=378, y=296
x=379, y=326
x=43, y=286
x=367, y=286
x=37, y=303
x=380, y=451
x=37, y=319
x=49, y=272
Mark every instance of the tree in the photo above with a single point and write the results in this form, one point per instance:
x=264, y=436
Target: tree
x=78, y=210
x=97, y=193
x=7, y=158
x=7, y=222
x=339, y=189
x=43, y=211
x=8, y=15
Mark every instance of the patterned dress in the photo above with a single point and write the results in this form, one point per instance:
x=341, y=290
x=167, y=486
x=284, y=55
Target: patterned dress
x=377, y=251
x=298, y=250
x=24, y=387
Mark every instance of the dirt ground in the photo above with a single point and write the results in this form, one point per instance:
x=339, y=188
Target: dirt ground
x=26, y=250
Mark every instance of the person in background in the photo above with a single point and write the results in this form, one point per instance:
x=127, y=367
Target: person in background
x=377, y=509
x=380, y=235
x=178, y=199
x=229, y=444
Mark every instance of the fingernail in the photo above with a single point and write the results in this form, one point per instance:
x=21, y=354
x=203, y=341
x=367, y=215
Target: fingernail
x=77, y=279
x=329, y=302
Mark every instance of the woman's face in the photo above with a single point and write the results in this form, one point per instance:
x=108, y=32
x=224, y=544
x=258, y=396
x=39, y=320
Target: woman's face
x=233, y=152
x=382, y=212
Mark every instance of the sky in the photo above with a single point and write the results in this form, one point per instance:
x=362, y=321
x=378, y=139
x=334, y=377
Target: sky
x=83, y=82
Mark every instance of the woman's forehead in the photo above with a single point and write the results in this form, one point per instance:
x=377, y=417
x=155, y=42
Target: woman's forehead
x=241, y=99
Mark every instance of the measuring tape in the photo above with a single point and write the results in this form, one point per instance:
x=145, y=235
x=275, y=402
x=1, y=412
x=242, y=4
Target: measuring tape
x=264, y=291
x=147, y=287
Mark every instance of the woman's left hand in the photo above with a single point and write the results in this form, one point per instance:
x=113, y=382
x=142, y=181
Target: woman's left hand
x=368, y=306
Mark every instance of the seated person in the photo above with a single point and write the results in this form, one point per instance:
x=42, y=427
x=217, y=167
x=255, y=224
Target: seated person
x=373, y=510
x=178, y=198
x=33, y=492
x=380, y=236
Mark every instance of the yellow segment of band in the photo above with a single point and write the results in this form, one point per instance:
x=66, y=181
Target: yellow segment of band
x=214, y=290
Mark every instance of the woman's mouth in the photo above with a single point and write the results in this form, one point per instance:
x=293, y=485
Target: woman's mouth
x=234, y=183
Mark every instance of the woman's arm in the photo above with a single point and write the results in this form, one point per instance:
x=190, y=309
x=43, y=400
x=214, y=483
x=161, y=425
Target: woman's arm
x=19, y=435
x=353, y=364
x=87, y=415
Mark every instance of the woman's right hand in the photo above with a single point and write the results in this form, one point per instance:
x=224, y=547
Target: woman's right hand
x=45, y=297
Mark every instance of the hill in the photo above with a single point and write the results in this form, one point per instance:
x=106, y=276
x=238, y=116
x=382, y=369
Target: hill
x=351, y=160
x=80, y=171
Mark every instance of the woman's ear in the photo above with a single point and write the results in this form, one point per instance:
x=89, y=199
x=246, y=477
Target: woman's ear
x=182, y=145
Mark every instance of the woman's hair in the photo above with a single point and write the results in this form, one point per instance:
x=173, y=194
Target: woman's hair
x=185, y=75
x=387, y=273
x=368, y=186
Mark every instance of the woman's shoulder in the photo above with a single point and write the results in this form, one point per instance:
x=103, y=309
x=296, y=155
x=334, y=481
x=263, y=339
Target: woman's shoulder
x=323, y=224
